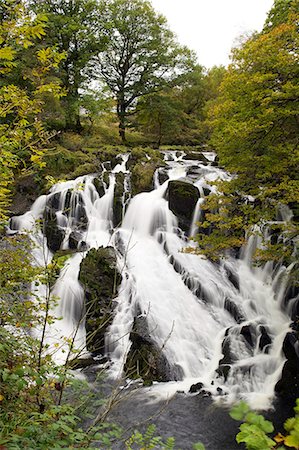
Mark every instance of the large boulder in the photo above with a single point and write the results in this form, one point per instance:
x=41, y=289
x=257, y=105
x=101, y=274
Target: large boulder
x=142, y=176
x=100, y=279
x=288, y=385
x=145, y=359
x=182, y=198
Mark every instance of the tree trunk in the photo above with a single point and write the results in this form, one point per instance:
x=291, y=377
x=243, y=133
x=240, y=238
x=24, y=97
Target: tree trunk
x=121, y=113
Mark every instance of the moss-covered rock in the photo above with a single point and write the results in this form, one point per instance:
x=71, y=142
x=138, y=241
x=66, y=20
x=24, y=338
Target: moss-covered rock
x=142, y=177
x=145, y=359
x=100, y=279
x=118, y=199
x=182, y=198
x=98, y=184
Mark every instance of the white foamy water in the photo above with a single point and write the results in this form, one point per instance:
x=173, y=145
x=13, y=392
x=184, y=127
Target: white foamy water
x=197, y=312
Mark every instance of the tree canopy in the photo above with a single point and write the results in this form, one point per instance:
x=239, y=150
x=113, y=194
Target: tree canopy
x=255, y=125
x=141, y=54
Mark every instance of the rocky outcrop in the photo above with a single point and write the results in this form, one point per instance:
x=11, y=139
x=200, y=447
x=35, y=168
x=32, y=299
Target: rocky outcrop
x=118, y=198
x=98, y=184
x=26, y=192
x=182, y=198
x=100, y=279
x=288, y=385
x=145, y=359
x=142, y=177
x=54, y=233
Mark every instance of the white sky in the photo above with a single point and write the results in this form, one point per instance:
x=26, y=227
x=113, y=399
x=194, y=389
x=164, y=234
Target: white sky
x=210, y=27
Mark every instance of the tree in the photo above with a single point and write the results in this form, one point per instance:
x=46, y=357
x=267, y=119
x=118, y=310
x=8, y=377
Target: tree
x=141, y=55
x=74, y=29
x=22, y=134
x=161, y=117
x=255, y=123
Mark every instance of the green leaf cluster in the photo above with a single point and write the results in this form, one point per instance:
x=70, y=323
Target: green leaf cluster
x=255, y=430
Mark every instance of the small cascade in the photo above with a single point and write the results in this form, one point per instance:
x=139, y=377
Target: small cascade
x=221, y=325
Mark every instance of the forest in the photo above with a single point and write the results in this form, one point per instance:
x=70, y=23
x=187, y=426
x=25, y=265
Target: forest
x=104, y=87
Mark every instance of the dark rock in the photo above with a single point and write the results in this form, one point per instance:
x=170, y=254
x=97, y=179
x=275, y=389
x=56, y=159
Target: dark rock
x=145, y=359
x=100, y=279
x=76, y=242
x=98, y=184
x=196, y=156
x=182, y=198
x=82, y=363
x=233, y=309
x=248, y=334
x=196, y=388
x=206, y=191
x=142, y=177
x=265, y=340
x=162, y=175
x=288, y=385
x=26, y=192
x=118, y=199
x=81, y=217
x=233, y=277
x=54, y=234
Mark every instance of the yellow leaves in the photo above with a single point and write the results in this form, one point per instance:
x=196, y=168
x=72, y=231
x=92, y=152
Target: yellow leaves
x=1, y=397
x=7, y=53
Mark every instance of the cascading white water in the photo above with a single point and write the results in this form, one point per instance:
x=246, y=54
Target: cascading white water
x=198, y=313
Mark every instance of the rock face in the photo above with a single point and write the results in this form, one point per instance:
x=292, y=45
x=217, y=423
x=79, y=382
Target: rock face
x=182, y=198
x=53, y=232
x=27, y=190
x=145, y=359
x=142, y=177
x=288, y=385
x=118, y=198
x=100, y=279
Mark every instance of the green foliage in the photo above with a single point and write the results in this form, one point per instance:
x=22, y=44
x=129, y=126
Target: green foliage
x=148, y=440
x=22, y=134
x=74, y=28
x=254, y=124
x=255, y=430
x=145, y=54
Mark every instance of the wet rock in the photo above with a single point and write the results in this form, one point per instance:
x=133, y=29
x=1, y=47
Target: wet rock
x=162, y=176
x=196, y=388
x=196, y=156
x=26, y=192
x=98, y=184
x=233, y=277
x=81, y=217
x=82, y=363
x=142, y=177
x=288, y=385
x=228, y=356
x=100, y=279
x=248, y=334
x=118, y=199
x=76, y=242
x=233, y=309
x=265, y=340
x=182, y=198
x=54, y=234
x=145, y=359
x=194, y=172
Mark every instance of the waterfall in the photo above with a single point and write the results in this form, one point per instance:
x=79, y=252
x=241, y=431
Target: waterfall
x=219, y=324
